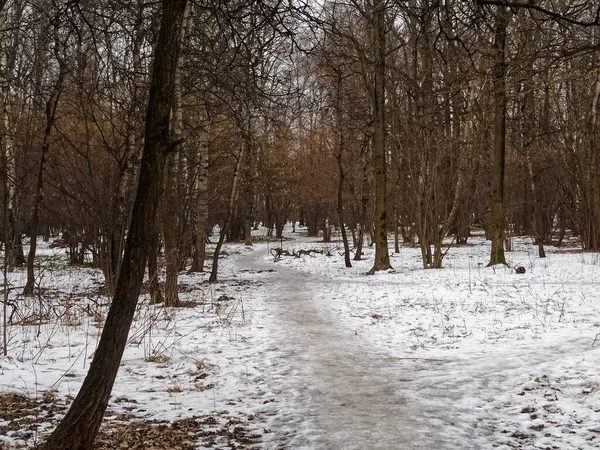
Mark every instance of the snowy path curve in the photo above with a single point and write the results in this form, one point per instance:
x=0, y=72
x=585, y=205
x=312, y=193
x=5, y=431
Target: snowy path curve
x=335, y=390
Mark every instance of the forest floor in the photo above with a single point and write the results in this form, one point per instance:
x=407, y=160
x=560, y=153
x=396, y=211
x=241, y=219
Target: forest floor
x=302, y=353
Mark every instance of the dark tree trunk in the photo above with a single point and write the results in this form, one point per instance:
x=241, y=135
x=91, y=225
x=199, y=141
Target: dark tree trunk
x=172, y=197
x=396, y=231
x=214, y=272
x=593, y=241
x=340, y=161
x=51, y=106
x=341, y=216
x=249, y=185
x=382, y=257
x=79, y=428
x=499, y=149
x=536, y=219
x=279, y=226
x=364, y=201
x=215, y=266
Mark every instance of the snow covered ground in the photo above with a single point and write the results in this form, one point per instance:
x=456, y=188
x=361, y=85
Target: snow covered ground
x=303, y=353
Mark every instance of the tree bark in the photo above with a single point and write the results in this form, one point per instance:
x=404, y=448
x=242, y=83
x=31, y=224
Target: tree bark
x=201, y=212
x=382, y=257
x=170, y=232
x=594, y=233
x=215, y=266
x=39, y=190
x=529, y=123
x=153, y=286
x=79, y=428
x=171, y=202
x=249, y=184
x=51, y=105
x=341, y=175
x=364, y=200
x=340, y=207
x=127, y=165
x=499, y=147
x=13, y=245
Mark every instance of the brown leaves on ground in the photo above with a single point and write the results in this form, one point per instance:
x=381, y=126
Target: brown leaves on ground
x=22, y=417
x=183, y=434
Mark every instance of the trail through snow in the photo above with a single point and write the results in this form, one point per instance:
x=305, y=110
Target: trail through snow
x=306, y=354
x=337, y=390
x=340, y=391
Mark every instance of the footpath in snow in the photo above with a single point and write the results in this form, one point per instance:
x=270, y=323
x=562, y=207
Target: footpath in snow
x=305, y=354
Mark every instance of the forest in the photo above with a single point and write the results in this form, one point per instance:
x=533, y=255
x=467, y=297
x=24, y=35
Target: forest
x=163, y=161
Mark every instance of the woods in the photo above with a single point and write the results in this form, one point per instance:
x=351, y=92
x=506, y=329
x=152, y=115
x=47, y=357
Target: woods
x=424, y=119
x=133, y=133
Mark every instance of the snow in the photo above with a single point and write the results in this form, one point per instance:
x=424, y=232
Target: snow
x=316, y=355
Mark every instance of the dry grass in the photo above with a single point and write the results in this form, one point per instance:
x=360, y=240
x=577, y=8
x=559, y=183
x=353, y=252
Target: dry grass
x=24, y=415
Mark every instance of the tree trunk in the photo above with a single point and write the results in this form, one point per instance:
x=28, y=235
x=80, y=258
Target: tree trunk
x=396, y=231
x=79, y=428
x=249, y=185
x=339, y=157
x=364, y=201
x=171, y=201
x=499, y=148
x=51, y=106
x=13, y=236
x=382, y=257
x=279, y=226
x=127, y=166
x=594, y=239
x=215, y=266
x=341, y=215
x=201, y=211
x=153, y=286
x=13, y=245
x=170, y=232
x=536, y=220
x=326, y=231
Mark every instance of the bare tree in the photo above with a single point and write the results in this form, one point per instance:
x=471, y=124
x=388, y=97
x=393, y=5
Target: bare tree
x=79, y=427
x=502, y=17
x=382, y=257
x=59, y=48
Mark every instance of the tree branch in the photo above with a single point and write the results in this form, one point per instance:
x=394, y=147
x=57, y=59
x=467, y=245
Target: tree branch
x=531, y=5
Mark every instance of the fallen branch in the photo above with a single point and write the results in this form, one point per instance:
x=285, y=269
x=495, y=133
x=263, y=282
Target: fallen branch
x=277, y=253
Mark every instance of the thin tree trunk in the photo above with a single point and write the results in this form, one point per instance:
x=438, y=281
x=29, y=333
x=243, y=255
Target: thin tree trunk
x=153, y=286
x=170, y=232
x=536, y=221
x=248, y=195
x=79, y=428
x=201, y=212
x=51, y=106
x=339, y=157
x=127, y=166
x=340, y=208
x=499, y=149
x=215, y=266
x=396, y=231
x=364, y=200
x=11, y=244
